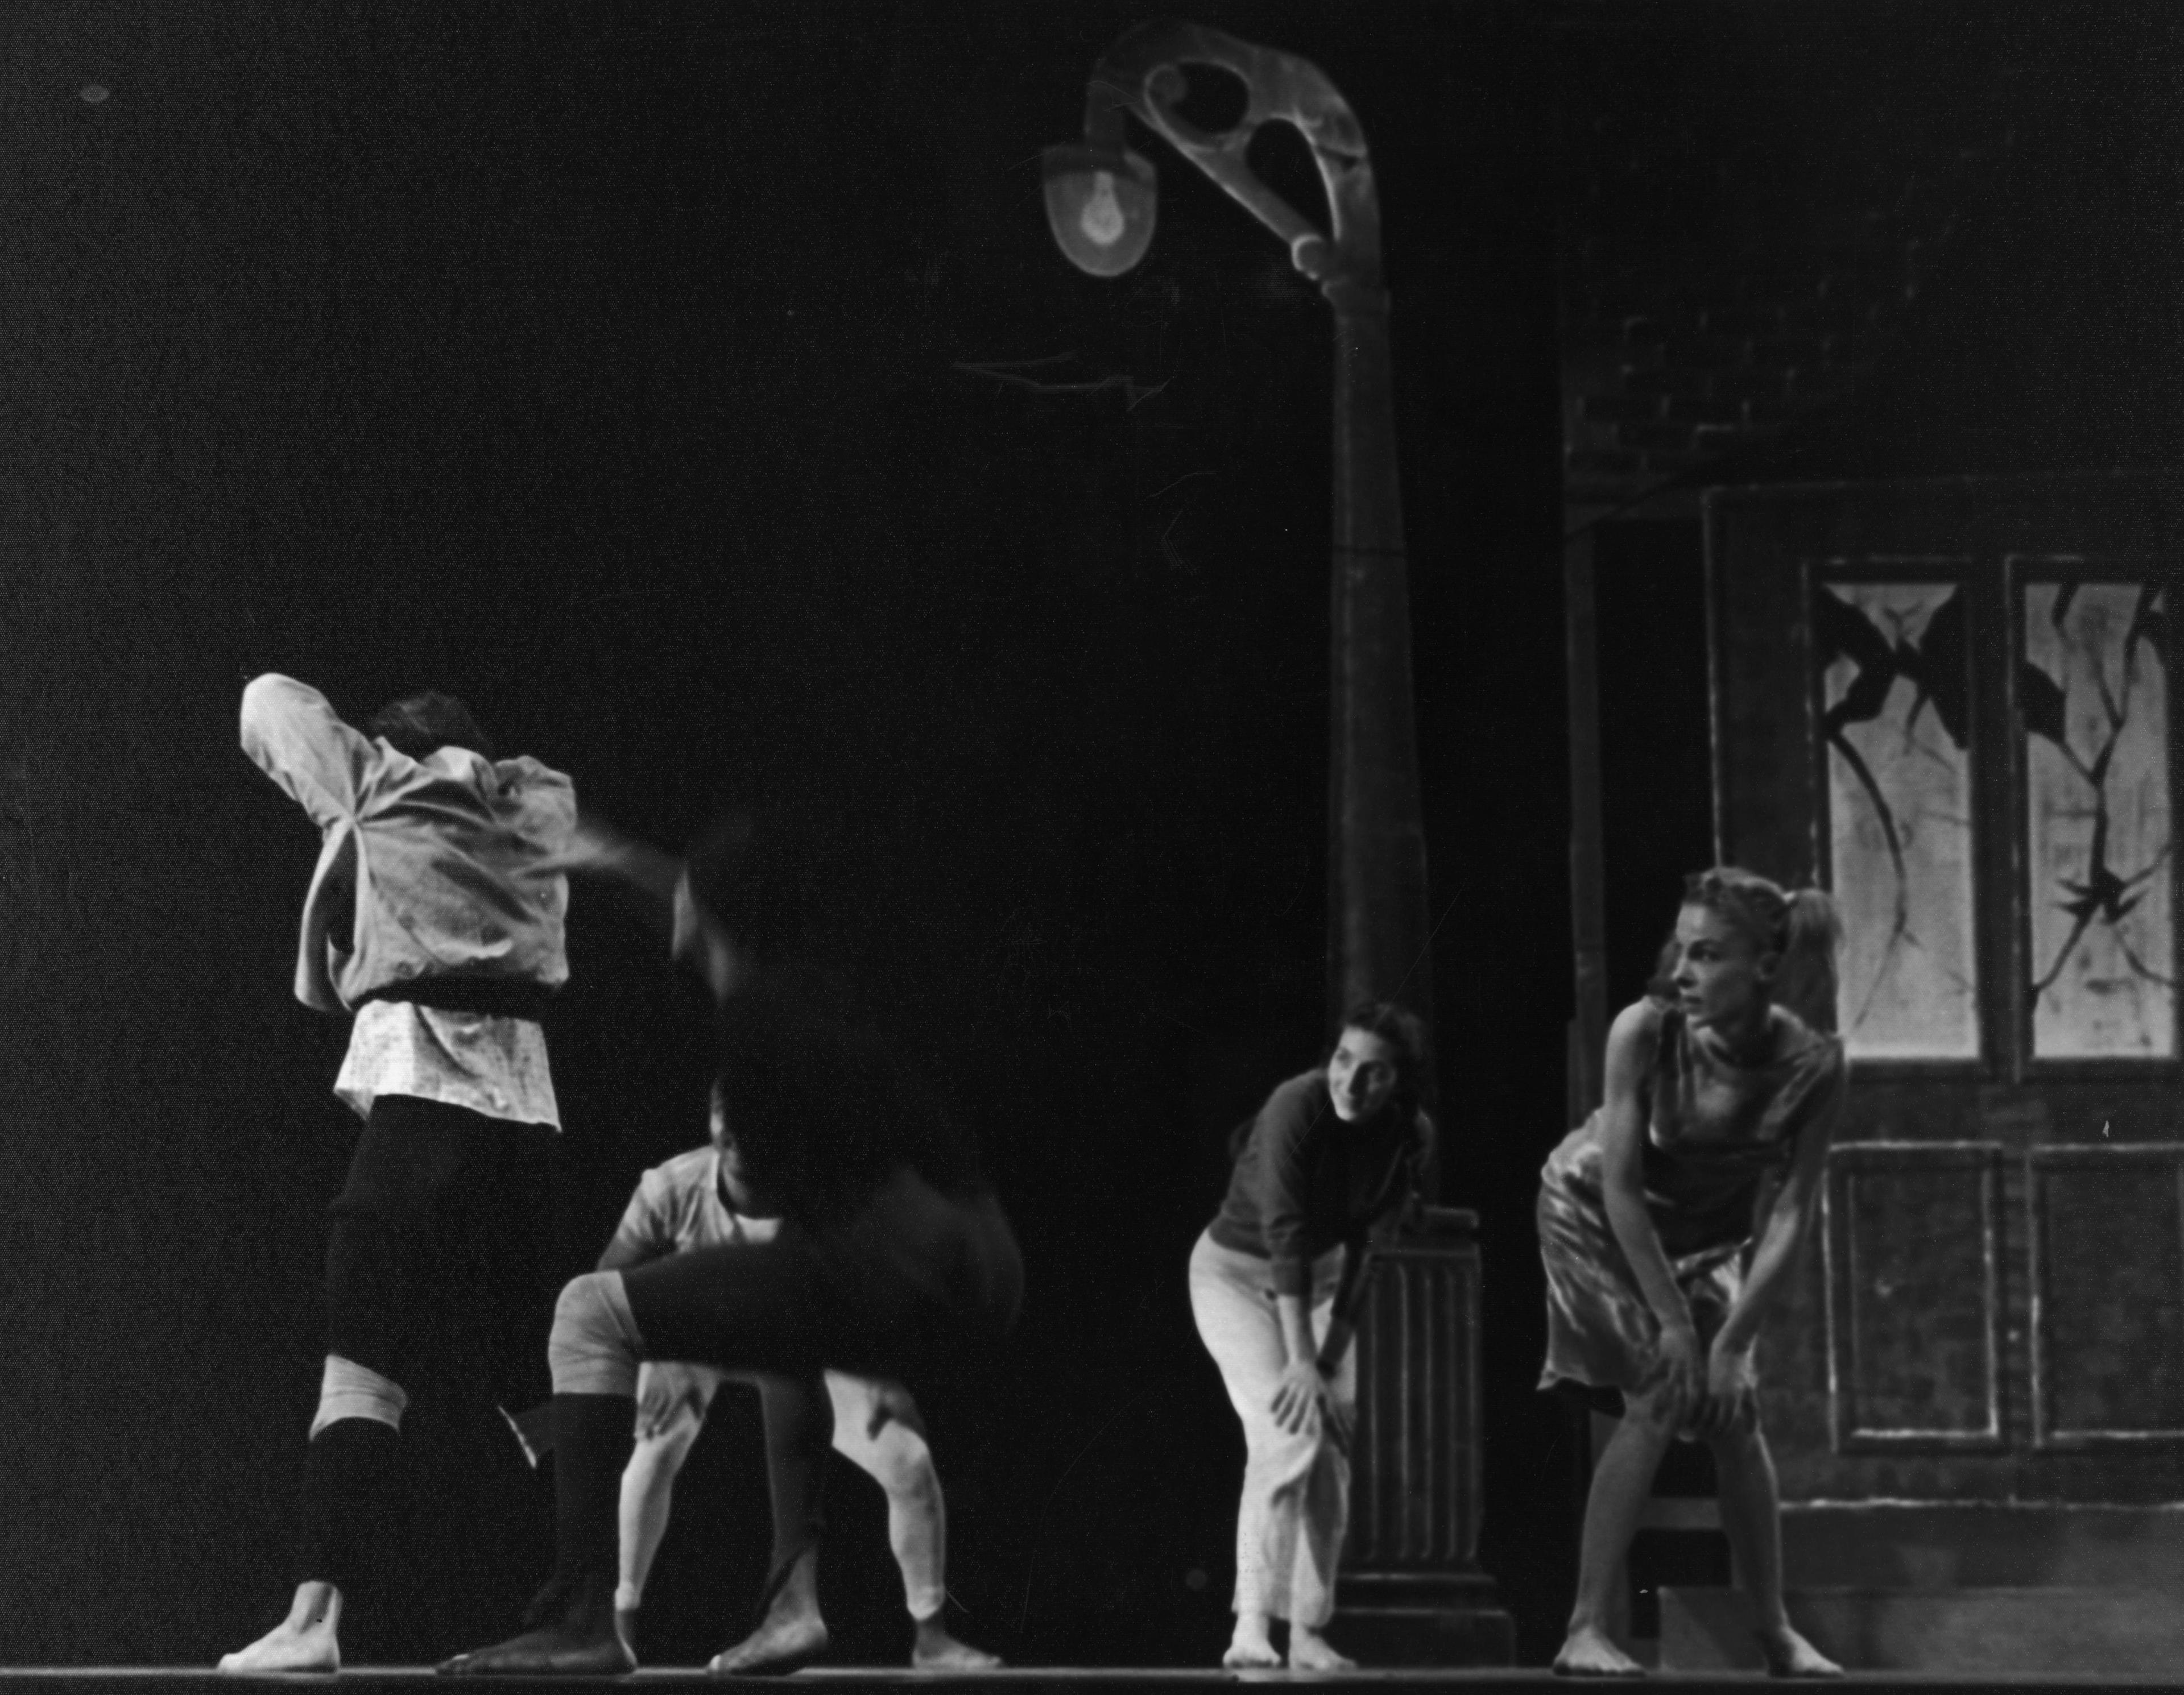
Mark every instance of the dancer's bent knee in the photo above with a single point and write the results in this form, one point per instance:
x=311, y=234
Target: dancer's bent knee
x=1285, y=1456
x=348, y=1390
x=1744, y=1444
x=595, y=1347
x=902, y=1465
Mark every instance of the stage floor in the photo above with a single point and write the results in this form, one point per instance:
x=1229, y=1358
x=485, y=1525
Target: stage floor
x=141, y=1680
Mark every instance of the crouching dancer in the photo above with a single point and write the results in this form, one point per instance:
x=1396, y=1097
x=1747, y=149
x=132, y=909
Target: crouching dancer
x=1669, y=1221
x=892, y=1261
x=428, y=920
x=704, y=1199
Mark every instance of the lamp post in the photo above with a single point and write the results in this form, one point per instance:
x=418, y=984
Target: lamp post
x=1101, y=202
x=1410, y=1588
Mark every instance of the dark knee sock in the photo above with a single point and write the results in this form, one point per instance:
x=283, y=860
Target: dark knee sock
x=348, y=1484
x=593, y=1436
x=800, y=1432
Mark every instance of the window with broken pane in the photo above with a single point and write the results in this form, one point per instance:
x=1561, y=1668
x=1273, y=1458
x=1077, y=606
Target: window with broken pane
x=2092, y=696
x=1895, y=727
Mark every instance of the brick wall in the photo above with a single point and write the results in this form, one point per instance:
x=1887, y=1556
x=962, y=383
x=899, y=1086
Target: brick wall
x=1752, y=201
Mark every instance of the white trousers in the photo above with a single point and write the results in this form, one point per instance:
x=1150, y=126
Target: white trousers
x=897, y=1458
x=1296, y=1487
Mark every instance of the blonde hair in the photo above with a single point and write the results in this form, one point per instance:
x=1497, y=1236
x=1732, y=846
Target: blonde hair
x=1801, y=926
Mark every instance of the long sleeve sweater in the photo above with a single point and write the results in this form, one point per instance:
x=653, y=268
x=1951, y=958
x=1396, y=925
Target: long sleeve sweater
x=1305, y=1182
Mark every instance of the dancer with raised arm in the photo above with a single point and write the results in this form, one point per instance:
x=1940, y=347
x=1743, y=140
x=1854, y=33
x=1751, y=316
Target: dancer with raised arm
x=1274, y=1285
x=428, y=920
x=705, y=1199
x=893, y=1260
x=1669, y=1221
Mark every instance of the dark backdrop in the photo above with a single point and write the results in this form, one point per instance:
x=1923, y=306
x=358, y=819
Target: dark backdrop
x=601, y=364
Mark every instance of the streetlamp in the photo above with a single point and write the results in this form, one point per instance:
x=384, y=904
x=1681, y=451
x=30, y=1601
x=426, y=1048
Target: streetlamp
x=1101, y=199
x=1412, y=1589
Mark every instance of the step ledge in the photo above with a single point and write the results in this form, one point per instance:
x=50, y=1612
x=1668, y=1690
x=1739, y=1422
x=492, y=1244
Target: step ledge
x=1958, y=1631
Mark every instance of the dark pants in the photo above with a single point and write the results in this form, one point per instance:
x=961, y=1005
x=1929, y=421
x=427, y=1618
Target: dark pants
x=443, y=1208
x=445, y=1212
x=915, y=1285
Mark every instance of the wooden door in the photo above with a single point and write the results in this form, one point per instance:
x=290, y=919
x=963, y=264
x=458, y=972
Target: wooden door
x=1954, y=703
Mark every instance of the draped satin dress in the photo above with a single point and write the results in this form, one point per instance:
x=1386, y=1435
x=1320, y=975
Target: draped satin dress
x=1719, y=1138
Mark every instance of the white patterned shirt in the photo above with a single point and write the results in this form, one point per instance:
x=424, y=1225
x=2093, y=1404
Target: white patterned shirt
x=489, y=1064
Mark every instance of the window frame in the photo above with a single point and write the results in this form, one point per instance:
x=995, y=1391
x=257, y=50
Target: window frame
x=2018, y=571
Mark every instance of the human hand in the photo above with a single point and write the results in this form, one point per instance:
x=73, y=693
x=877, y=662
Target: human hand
x=590, y=846
x=1679, y=1375
x=1732, y=1390
x=698, y=942
x=1341, y=1415
x=668, y=1391
x=1298, y=1397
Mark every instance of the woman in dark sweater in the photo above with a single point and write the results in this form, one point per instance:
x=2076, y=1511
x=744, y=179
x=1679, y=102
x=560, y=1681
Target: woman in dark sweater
x=1274, y=1284
x=893, y=1259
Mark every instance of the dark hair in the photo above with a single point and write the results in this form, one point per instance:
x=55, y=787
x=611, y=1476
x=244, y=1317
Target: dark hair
x=750, y=876
x=1800, y=926
x=421, y=725
x=1405, y=1033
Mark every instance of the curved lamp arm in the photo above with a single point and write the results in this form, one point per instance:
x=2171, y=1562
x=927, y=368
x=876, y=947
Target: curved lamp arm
x=1101, y=195
x=1101, y=200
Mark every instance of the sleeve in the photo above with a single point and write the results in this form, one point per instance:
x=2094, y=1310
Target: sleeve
x=1408, y=1194
x=549, y=801
x=647, y=1230
x=294, y=736
x=315, y=978
x=1284, y=1134
x=1406, y=1188
x=1349, y=1291
x=1425, y=1143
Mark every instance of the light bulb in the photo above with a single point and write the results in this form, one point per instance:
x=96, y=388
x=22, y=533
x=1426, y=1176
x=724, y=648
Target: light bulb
x=1101, y=220
x=1099, y=204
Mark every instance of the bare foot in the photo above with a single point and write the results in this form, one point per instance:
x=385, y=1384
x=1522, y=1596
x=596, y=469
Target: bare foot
x=557, y=1650
x=1309, y=1651
x=1249, y=1649
x=307, y=1640
x=1588, y=1652
x=935, y=1650
x=580, y=1635
x=1789, y=1655
x=787, y=1642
